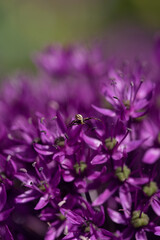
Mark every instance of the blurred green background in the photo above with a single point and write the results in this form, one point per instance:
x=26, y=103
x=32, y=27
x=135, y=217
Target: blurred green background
x=28, y=25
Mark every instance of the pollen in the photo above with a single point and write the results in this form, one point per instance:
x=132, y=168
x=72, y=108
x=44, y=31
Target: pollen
x=80, y=167
x=139, y=219
x=150, y=188
x=60, y=141
x=110, y=143
x=122, y=173
x=127, y=104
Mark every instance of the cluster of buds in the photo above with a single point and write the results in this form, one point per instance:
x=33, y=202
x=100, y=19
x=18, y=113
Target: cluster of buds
x=80, y=149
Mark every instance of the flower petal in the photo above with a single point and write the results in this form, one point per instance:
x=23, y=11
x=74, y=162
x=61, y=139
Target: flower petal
x=5, y=214
x=3, y=196
x=151, y=156
x=92, y=142
x=155, y=203
x=132, y=145
x=5, y=233
x=126, y=199
x=51, y=234
x=44, y=149
x=43, y=201
x=137, y=181
x=157, y=231
x=72, y=217
x=99, y=159
x=141, y=235
x=27, y=196
x=104, y=111
x=103, y=197
x=116, y=216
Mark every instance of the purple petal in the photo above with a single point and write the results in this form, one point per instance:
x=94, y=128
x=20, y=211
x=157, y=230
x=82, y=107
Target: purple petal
x=96, y=174
x=106, y=233
x=43, y=201
x=46, y=137
x=72, y=217
x=92, y=142
x=155, y=203
x=80, y=185
x=69, y=236
x=141, y=235
x=60, y=230
x=27, y=196
x=60, y=122
x=133, y=145
x=3, y=196
x=44, y=149
x=25, y=178
x=5, y=233
x=140, y=104
x=137, y=181
x=51, y=234
x=157, y=231
x=151, y=156
x=23, y=152
x=126, y=200
x=117, y=155
x=66, y=163
x=138, y=114
x=128, y=233
x=99, y=159
x=116, y=216
x=103, y=197
x=56, y=179
x=67, y=176
x=104, y=111
x=5, y=214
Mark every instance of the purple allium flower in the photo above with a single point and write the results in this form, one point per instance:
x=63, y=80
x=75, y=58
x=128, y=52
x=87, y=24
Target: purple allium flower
x=42, y=185
x=112, y=142
x=128, y=92
x=137, y=221
x=4, y=214
x=84, y=221
x=56, y=220
x=75, y=164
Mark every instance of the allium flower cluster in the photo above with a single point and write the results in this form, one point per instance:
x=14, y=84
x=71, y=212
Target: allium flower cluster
x=80, y=149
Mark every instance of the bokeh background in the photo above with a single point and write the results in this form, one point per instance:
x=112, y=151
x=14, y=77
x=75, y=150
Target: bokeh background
x=26, y=26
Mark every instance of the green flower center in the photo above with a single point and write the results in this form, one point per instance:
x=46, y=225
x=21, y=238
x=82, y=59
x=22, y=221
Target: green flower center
x=158, y=138
x=37, y=140
x=150, y=189
x=61, y=217
x=127, y=104
x=60, y=141
x=2, y=177
x=42, y=186
x=80, y=167
x=110, y=143
x=86, y=227
x=122, y=173
x=139, y=219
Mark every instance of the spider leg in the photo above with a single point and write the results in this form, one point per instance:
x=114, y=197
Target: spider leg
x=66, y=136
x=88, y=126
x=72, y=123
x=86, y=119
x=89, y=118
x=97, y=119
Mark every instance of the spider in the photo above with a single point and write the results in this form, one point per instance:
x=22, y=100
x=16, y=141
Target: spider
x=79, y=120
